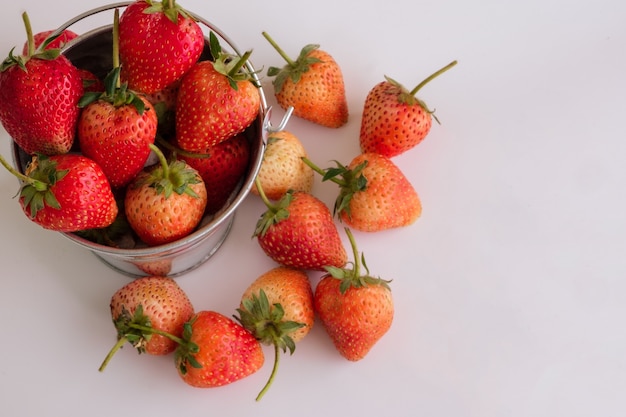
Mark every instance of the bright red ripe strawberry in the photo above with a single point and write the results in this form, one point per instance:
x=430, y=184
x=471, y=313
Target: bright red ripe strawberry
x=312, y=84
x=115, y=129
x=57, y=43
x=165, y=202
x=149, y=313
x=218, y=351
x=299, y=232
x=277, y=308
x=394, y=120
x=216, y=101
x=221, y=169
x=159, y=42
x=39, y=96
x=282, y=168
x=66, y=193
x=374, y=193
x=355, y=309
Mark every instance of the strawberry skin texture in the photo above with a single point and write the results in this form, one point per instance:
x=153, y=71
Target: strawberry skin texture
x=389, y=200
x=154, y=51
x=307, y=239
x=356, y=319
x=291, y=289
x=117, y=138
x=227, y=351
x=389, y=126
x=39, y=107
x=84, y=195
x=222, y=169
x=159, y=220
x=282, y=168
x=167, y=306
x=209, y=110
x=319, y=96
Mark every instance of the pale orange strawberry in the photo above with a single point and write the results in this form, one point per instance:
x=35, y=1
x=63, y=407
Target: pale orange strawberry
x=312, y=84
x=282, y=168
x=374, y=194
x=355, y=308
x=277, y=308
x=394, y=120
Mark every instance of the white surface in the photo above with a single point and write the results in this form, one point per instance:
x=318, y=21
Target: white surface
x=509, y=290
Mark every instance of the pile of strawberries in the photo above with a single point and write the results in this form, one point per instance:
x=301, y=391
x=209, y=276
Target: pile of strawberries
x=91, y=142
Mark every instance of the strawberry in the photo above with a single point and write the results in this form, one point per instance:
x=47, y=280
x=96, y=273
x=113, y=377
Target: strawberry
x=312, y=84
x=165, y=202
x=394, y=120
x=217, y=351
x=298, y=231
x=277, y=308
x=149, y=313
x=221, y=169
x=65, y=193
x=39, y=94
x=159, y=42
x=57, y=43
x=355, y=309
x=374, y=193
x=282, y=168
x=216, y=100
x=115, y=129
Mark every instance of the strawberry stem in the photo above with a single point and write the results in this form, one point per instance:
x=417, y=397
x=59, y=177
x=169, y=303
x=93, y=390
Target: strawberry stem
x=116, y=44
x=36, y=183
x=279, y=49
x=29, y=34
x=262, y=194
x=355, y=253
x=162, y=160
x=239, y=64
x=323, y=172
x=272, y=375
x=433, y=75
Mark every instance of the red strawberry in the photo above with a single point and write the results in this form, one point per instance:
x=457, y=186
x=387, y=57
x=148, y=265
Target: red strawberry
x=312, y=84
x=355, y=309
x=149, y=313
x=394, y=120
x=159, y=42
x=221, y=169
x=57, y=43
x=277, y=308
x=66, y=193
x=374, y=193
x=165, y=202
x=218, y=351
x=115, y=129
x=282, y=168
x=299, y=232
x=216, y=101
x=39, y=97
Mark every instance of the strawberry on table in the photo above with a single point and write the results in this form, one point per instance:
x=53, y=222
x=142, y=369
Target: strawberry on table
x=312, y=84
x=277, y=308
x=39, y=94
x=355, y=309
x=282, y=168
x=165, y=202
x=216, y=100
x=394, y=120
x=149, y=313
x=217, y=351
x=159, y=42
x=298, y=231
x=66, y=193
x=374, y=194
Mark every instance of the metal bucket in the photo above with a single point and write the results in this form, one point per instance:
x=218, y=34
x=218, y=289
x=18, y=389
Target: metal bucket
x=92, y=51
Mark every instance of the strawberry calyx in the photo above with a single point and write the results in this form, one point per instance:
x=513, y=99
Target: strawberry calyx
x=352, y=277
x=169, y=8
x=137, y=330
x=275, y=213
x=350, y=181
x=186, y=351
x=168, y=177
x=293, y=69
x=266, y=323
x=230, y=65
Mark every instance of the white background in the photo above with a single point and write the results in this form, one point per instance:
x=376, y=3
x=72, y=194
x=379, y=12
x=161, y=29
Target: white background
x=509, y=290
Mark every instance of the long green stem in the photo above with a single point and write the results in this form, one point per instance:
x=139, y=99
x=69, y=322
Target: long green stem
x=120, y=342
x=278, y=49
x=162, y=160
x=262, y=194
x=240, y=63
x=273, y=374
x=322, y=172
x=355, y=253
x=29, y=34
x=21, y=176
x=116, y=44
x=433, y=75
